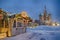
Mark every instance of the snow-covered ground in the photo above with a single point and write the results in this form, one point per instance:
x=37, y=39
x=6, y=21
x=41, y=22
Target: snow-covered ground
x=45, y=28
x=36, y=36
x=39, y=33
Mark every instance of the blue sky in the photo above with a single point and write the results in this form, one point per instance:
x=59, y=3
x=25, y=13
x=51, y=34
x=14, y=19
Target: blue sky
x=32, y=7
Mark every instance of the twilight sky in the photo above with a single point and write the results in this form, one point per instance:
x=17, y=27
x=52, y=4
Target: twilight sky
x=32, y=7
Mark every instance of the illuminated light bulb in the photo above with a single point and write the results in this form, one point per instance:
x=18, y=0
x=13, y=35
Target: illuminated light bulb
x=53, y=24
x=58, y=24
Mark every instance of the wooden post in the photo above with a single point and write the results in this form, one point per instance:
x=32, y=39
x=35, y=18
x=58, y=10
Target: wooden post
x=4, y=23
x=16, y=22
x=9, y=30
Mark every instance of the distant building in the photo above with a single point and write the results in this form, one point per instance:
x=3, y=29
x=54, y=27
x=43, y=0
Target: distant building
x=45, y=18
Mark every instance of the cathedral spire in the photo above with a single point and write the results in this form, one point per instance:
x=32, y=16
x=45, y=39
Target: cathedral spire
x=45, y=12
x=45, y=7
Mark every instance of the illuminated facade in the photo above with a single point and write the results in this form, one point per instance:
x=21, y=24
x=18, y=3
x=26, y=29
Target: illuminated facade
x=22, y=18
x=45, y=18
x=4, y=25
x=19, y=21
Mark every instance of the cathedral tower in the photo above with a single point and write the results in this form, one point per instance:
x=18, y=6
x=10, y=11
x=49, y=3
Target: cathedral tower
x=45, y=18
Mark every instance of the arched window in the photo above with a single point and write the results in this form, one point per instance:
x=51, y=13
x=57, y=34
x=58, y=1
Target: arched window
x=14, y=24
x=19, y=24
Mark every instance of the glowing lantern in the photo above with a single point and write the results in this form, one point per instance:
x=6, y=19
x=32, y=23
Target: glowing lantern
x=53, y=24
x=58, y=24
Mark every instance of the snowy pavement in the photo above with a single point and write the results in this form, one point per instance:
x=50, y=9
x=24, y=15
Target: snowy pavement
x=19, y=37
x=36, y=36
x=38, y=33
